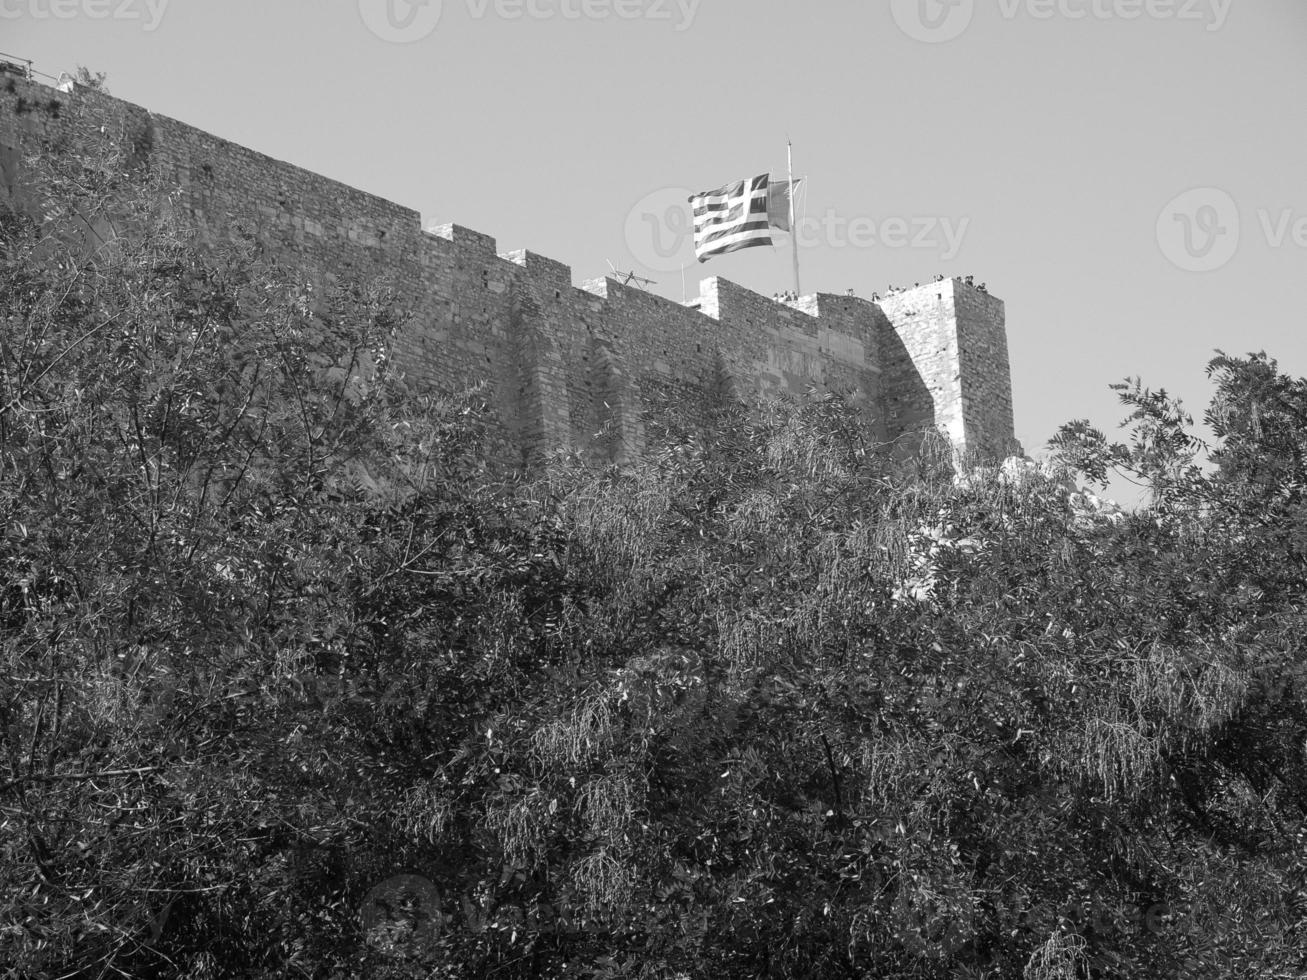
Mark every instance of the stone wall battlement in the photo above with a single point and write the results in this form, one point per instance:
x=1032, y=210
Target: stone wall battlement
x=589, y=366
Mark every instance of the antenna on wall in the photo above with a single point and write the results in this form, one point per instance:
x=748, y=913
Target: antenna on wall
x=627, y=278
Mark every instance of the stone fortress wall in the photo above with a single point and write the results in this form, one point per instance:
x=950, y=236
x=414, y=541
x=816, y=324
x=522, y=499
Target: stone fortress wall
x=584, y=367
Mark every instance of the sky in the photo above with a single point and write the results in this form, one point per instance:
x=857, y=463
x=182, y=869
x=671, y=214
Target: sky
x=1129, y=176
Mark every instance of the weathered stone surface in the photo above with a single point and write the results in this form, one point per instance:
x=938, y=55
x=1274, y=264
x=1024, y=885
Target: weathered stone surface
x=582, y=367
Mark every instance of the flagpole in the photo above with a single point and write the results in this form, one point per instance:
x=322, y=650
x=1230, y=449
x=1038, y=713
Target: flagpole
x=794, y=228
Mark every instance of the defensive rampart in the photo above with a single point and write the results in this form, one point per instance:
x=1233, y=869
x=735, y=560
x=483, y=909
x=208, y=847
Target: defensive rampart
x=589, y=366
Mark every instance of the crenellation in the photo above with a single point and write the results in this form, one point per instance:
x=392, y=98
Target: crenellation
x=546, y=270
x=470, y=244
x=592, y=366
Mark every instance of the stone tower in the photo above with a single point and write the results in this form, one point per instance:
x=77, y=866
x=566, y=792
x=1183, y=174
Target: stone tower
x=946, y=365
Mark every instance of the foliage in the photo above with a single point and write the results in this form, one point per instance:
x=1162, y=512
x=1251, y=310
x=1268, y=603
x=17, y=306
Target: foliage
x=96, y=80
x=285, y=646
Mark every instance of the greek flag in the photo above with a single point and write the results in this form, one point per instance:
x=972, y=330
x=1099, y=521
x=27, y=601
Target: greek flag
x=731, y=218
